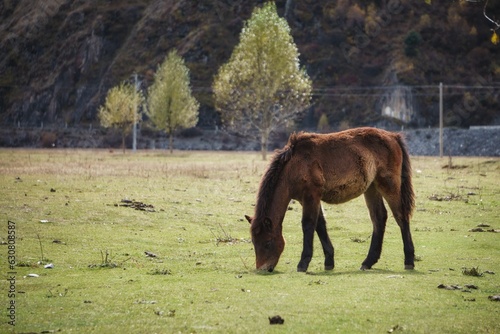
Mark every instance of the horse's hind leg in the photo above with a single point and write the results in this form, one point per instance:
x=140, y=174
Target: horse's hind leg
x=378, y=215
x=404, y=225
x=403, y=221
x=409, y=249
x=325, y=241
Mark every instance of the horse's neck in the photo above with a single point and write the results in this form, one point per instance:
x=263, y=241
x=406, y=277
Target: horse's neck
x=279, y=205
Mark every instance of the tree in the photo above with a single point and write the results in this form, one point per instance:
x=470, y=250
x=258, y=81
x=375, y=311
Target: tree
x=323, y=123
x=170, y=103
x=494, y=38
x=121, y=109
x=412, y=40
x=262, y=88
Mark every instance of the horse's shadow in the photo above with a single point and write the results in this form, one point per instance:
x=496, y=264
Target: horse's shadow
x=325, y=273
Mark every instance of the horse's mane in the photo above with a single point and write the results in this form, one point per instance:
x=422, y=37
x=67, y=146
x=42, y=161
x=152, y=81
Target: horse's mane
x=271, y=178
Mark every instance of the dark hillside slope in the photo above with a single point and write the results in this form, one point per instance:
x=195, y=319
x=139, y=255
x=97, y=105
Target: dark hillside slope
x=58, y=58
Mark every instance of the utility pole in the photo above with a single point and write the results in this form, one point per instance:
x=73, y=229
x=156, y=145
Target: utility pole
x=134, y=127
x=440, y=119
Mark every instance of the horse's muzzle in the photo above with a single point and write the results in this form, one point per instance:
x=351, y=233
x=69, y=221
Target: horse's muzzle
x=266, y=267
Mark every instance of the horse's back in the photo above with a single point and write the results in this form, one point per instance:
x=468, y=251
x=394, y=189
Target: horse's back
x=350, y=161
x=364, y=144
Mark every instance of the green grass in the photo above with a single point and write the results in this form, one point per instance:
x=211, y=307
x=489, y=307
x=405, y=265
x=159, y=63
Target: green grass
x=202, y=279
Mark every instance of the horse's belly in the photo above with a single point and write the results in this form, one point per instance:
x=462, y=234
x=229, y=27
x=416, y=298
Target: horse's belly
x=343, y=193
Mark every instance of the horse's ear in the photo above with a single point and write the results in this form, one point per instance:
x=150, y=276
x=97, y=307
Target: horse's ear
x=249, y=219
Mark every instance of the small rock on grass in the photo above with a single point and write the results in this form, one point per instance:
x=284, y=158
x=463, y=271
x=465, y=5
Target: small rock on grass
x=276, y=320
x=495, y=298
x=149, y=254
x=395, y=328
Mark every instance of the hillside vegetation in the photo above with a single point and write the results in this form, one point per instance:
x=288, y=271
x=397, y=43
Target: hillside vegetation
x=58, y=58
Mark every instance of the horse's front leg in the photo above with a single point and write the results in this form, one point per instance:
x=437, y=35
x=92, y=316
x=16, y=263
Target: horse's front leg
x=326, y=243
x=310, y=211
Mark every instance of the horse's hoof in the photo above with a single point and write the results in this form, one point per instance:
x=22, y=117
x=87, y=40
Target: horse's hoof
x=364, y=267
x=301, y=270
x=330, y=267
x=409, y=266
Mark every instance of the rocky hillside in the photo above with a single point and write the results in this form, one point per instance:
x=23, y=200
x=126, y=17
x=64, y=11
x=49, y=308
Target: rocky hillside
x=58, y=58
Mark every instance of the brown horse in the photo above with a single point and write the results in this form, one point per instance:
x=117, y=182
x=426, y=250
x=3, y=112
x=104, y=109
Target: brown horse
x=334, y=168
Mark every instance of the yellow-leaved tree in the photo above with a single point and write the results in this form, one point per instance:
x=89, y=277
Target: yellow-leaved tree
x=121, y=109
x=170, y=103
x=262, y=87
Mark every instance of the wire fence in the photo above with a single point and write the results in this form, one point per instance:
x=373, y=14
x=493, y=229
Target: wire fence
x=462, y=103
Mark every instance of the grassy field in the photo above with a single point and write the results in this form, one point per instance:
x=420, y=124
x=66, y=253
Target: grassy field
x=183, y=262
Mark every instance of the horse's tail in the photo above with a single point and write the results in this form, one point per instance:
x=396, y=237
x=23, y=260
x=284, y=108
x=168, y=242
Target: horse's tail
x=407, y=194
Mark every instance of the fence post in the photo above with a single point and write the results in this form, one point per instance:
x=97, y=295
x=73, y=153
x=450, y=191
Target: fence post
x=440, y=119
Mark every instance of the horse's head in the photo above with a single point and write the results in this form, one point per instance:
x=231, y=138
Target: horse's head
x=268, y=243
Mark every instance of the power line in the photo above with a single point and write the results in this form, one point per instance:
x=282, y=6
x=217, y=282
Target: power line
x=336, y=91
